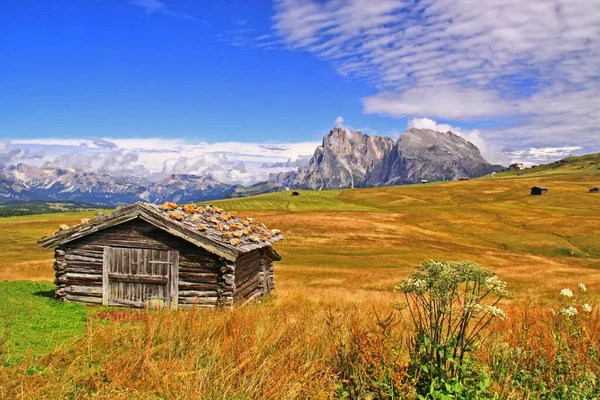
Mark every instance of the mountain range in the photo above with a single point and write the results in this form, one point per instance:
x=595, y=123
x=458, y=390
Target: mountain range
x=349, y=159
x=346, y=159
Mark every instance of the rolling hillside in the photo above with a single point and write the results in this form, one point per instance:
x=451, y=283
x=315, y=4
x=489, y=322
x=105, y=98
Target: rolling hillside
x=344, y=252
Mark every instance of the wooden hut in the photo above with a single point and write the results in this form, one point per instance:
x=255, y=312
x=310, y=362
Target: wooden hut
x=594, y=190
x=295, y=193
x=539, y=190
x=145, y=255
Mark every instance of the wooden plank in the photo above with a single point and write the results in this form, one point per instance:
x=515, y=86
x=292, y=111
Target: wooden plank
x=118, y=217
x=73, y=257
x=87, y=269
x=105, y=267
x=197, y=293
x=83, y=299
x=196, y=286
x=126, y=303
x=80, y=276
x=143, y=279
x=247, y=290
x=95, y=291
x=198, y=277
x=198, y=269
x=174, y=276
x=253, y=297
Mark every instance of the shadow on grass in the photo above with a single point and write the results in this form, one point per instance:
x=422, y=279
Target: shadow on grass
x=45, y=293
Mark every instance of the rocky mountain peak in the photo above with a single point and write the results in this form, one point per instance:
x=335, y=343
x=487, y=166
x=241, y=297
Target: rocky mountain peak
x=352, y=159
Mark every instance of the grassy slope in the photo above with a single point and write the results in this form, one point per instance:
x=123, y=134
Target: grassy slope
x=21, y=257
x=33, y=322
x=308, y=200
x=356, y=244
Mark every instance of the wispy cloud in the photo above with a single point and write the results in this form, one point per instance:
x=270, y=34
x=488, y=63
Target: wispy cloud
x=535, y=62
x=158, y=7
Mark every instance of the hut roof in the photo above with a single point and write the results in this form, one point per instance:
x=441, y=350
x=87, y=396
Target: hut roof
x=215, y=230
x=540, y=187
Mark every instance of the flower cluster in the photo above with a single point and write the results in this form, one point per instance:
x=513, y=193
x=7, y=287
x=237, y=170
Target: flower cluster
x=410, y=285
x=497, y=287
x=572, y=300
x=567, y=292
x=569, y=311
x=587, y=308
x=495, y=312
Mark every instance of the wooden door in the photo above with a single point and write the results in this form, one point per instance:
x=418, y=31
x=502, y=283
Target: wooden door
x=140, y=277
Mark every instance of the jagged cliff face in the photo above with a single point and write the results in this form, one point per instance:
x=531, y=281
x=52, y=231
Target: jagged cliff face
x=341, y=161
x=349, y=159
x=434, y=156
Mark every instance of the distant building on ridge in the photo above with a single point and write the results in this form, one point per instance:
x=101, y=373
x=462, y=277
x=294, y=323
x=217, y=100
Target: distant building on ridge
x=539, y=190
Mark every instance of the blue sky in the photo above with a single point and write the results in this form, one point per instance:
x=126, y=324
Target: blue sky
x=113, y=69
x=221, y=81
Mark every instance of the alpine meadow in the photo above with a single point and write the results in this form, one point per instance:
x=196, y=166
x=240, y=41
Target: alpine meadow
x=333, y=328
x=300, y=199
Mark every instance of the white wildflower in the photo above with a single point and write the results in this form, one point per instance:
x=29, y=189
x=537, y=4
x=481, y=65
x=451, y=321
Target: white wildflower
x=567, y=292
x=569, y=311
x=552, y=311
x=582, y=287
x=587, y=308
x=497, y=286
x=412, y=285
x=496, y=312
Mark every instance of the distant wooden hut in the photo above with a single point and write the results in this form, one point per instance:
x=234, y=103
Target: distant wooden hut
x=539, y=190
x=424, y=181
x=464, y=178
x=295, y=194
x=516, y=167
x=594, y=190
x=144, y=255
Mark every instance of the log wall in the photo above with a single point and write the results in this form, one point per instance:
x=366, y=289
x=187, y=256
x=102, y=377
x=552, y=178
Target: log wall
x=78, y=264
x=205, y=279
x=253, y=276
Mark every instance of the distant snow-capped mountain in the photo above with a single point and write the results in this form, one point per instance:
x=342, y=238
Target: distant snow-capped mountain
x=49, y=182
x=346, y=159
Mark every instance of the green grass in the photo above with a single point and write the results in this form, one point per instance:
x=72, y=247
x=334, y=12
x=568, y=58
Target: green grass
x=33, y=323
x=308, y=200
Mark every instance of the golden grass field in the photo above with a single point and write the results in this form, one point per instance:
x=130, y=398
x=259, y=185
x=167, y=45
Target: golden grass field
x=344, y=250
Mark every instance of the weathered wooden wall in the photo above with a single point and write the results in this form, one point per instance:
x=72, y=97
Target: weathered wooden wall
x=254, y=276
x=205, y=279
x=78, y=264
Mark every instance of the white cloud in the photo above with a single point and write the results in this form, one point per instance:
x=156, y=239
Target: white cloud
x=339, y=121
x=439, y=102
x=229, y=162
x=158, y=7
x=532, y=62
x=537, y=155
